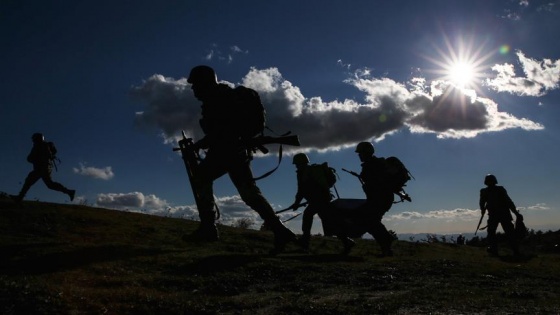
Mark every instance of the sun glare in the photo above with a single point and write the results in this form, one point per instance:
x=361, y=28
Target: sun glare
x=461, y=63
x=461, y=73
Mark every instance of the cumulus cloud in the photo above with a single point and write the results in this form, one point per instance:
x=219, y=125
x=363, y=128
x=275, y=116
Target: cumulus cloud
x=537, y=207
x=133, y=201
x=539, y=77
x=387, y=107
x=231, y=208
x=104, y=173
x=448, y=215
x=148, y=204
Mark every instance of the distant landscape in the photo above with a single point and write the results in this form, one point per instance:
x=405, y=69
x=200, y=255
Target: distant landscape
x=74, y=259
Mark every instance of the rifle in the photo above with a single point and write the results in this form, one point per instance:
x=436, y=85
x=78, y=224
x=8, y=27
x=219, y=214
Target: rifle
x=355, y=174
x=260, y=141
x=479, y=222
x=191, y=158
x=295, y=216
x=303, y=204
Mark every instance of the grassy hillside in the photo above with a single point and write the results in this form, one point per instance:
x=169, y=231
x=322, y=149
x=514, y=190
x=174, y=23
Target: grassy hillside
x=68, y=259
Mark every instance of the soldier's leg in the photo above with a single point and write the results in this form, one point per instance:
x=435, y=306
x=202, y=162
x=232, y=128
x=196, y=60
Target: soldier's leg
x=509, y=229
x=47, y=179
x=31, y=179
x=491, y=236
x=206, y=172
x=242, y=178
x=382, y=236
x=378, y=229
x=306, y=224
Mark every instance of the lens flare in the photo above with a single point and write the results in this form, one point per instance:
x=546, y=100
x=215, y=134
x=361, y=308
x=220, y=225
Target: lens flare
x=504, y=49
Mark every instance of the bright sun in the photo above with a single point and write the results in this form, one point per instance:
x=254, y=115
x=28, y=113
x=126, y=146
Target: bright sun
x=461, y=73
x=461, y=63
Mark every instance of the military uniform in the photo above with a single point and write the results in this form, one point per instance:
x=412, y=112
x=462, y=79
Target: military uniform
x=40, y=157
x=223, y=129
x=496, y=200
x=379, y=200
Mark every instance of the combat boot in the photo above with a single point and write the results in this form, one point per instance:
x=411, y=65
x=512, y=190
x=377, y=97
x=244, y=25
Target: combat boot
x=206, y=232
x=348, y=244
x=71, y=194
x=386, y=250
x=282, y=237
x=304, y=241
x=492, y=250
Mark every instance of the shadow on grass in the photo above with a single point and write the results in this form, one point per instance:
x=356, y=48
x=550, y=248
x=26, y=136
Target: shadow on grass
x=217, y=263
x=66, y=260
x=323, y=258
x=516, y=259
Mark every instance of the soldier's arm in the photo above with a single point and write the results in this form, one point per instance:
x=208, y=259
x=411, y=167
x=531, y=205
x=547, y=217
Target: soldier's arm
x=482, y=202
x=511, y=205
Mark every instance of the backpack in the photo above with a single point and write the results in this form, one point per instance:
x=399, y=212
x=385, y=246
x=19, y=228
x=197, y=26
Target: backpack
x=52, y=150
x=323, y=174
x=397, y=174
x=252, y=115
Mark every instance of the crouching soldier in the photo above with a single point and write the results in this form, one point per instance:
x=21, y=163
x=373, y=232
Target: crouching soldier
x=314, y=182
x=496, y=200
x=379, y=195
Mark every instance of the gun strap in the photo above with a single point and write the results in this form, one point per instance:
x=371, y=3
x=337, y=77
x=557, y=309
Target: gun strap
x=336, y=191
x=274, y=169
x=295, y=216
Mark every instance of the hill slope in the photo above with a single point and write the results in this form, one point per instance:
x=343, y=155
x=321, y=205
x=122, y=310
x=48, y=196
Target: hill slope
x=68, y=259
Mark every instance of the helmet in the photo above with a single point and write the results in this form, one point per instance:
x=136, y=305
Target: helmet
x=300, y=158
x=37, y=137
x=202, y=75
x=365, y=147
x=490, y=180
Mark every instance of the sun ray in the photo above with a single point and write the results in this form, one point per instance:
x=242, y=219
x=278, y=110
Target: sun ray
x=461, y=63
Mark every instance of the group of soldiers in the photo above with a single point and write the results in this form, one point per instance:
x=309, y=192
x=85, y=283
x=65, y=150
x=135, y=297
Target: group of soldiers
x=225, y=154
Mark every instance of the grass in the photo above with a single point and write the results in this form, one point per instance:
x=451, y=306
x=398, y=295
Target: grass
x=70, y=259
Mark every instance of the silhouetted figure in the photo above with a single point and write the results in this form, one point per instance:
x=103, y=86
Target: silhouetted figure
x=313, y=186
x=225, y=128
x=379, y=196
x=460, y=239
x=42, y=156
x=496, y=200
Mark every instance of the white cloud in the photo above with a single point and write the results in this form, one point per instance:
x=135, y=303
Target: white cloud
x=447, y=215
x=388, y=106
x=537, y=207
x=104, y=173
x=215, y=53
x=133, y=200
x=540, y=77
x=231, y=207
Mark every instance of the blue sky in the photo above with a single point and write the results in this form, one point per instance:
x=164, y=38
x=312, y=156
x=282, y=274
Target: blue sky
x=456, y=89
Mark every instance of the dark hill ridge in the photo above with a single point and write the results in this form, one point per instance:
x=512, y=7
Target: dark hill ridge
x=70, y=259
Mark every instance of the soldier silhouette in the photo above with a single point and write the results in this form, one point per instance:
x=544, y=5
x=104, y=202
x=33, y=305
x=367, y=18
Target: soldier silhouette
x=496, y=200
x=42, y=156
x=313, y=186
x=225, y=128
x=378, y=194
